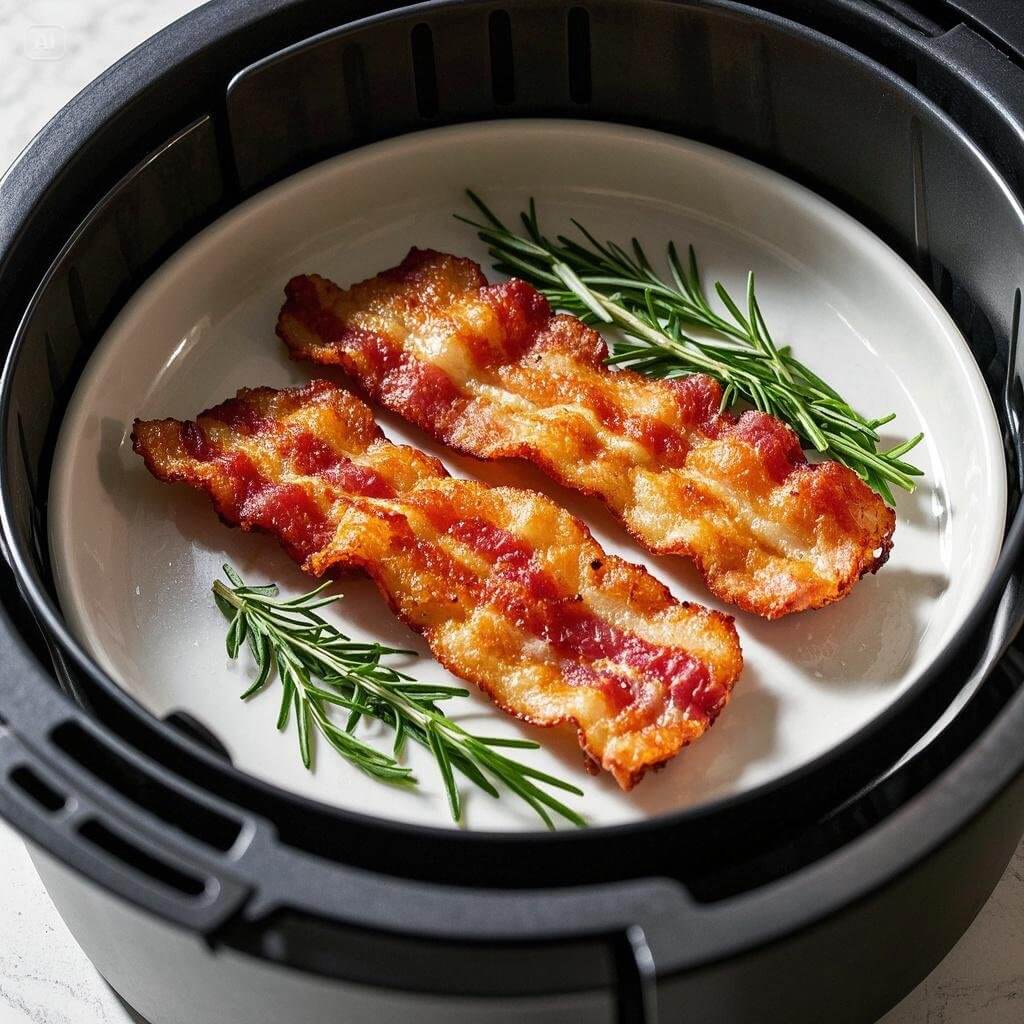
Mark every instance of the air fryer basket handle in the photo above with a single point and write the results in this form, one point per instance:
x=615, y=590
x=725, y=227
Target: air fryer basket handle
x=69, y=819
x=62, y=801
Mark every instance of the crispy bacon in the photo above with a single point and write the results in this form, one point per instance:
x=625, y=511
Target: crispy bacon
x=490, y=371
x=510, y=591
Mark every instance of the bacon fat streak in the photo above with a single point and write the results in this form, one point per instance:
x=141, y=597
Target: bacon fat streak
x=510, y=591
x=491, y=372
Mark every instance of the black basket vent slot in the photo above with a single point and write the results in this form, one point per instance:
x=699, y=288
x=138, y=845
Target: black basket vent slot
x=38, y=790
x=578, y=26
x=353, y=69
x=424, y=71
x=194, y=818
x=79, y=305
x=35, y=516
x=134, y=857
x=503, y=81
x=982, y=339
x=1013, y=403
x=942, y=285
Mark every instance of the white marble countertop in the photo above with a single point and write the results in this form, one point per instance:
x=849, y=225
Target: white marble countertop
x=49, y=49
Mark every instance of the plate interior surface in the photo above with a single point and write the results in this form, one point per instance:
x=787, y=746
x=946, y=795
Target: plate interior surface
x=134, y=558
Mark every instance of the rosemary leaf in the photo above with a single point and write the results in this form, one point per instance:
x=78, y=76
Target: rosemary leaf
x=318, y=666
x=603, y=284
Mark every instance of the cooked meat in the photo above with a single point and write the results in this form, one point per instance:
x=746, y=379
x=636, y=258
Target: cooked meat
x=510, y=591
x=491, y=372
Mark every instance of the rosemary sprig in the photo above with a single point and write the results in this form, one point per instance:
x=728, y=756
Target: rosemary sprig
x=603, y=284
x=320, y=667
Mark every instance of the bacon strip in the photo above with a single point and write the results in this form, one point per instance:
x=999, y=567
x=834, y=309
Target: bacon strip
x=491, y=372
x=510, y=591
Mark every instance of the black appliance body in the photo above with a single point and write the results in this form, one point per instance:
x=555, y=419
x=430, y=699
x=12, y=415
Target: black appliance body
x=203, y=894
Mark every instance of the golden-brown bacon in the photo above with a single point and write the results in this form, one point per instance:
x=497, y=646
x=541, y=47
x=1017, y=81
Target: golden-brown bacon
x=510, y=591
x=490, y=371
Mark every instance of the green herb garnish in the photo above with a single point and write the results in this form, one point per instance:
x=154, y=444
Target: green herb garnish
x=319, y=666
x=606, y=285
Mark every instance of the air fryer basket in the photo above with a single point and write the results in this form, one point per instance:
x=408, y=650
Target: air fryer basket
x=912, y=122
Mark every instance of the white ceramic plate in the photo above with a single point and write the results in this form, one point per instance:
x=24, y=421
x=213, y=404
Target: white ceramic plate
x=135, y=558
